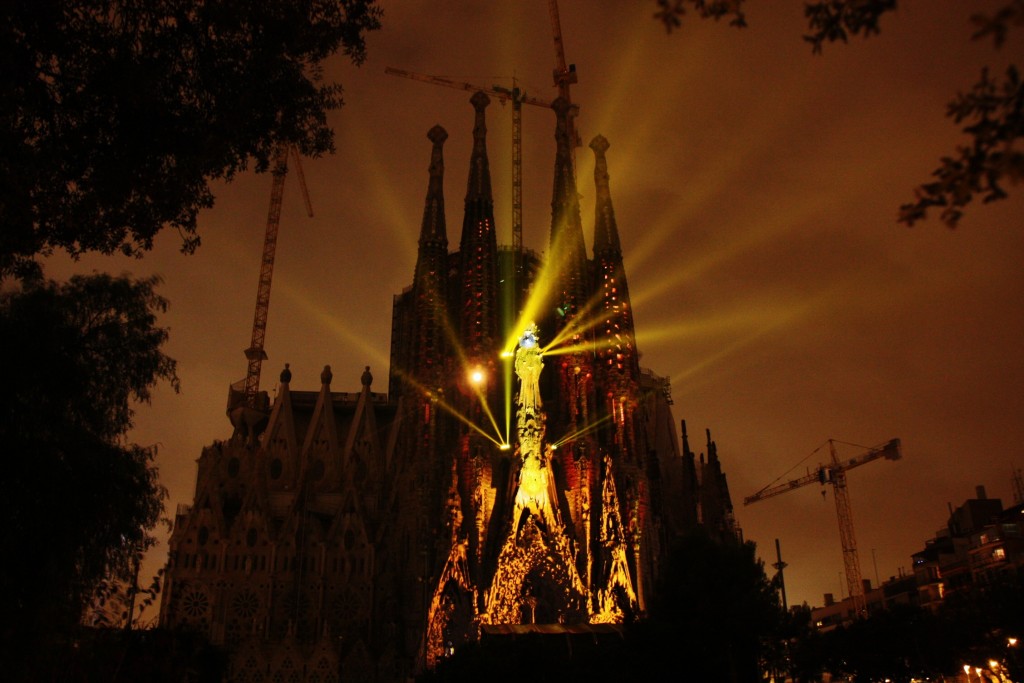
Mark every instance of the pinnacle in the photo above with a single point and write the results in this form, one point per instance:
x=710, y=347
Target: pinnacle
x=437, y=135
x=599, y=144
x=479, y=100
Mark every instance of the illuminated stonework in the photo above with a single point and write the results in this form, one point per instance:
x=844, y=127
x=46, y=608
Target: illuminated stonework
x=535, y=567
x=533, y=493
x=366, y=535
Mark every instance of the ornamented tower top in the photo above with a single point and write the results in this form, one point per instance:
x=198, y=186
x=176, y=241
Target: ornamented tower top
x=618, y=368
x=479, y=249
x=431, y=276
x=567, y=247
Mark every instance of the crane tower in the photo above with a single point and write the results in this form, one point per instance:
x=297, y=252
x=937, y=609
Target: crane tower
x=834, y=473
x=244, y=407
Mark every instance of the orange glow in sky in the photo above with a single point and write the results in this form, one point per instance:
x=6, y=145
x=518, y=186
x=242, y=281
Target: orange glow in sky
x=756, y=189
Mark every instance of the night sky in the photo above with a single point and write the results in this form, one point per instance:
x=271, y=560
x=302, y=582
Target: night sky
x=756, y=189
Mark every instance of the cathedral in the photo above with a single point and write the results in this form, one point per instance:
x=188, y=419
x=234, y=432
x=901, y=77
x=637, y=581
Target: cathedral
x=520, y=469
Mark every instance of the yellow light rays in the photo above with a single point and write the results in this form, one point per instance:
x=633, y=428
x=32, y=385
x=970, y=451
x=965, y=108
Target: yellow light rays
x=441, y=403
x=753, y=315
x=780, y=317
x=784, y=220
x=581, y=432
x=386, y=199
x=329, y=321
x=544, y=285
x=307, y=303
x=507, y=390
x=581, y=321
x=539, y=298
x=755, y=135
x=448, y=408
x=478, y=380
x=620, y=96
x=569, y=349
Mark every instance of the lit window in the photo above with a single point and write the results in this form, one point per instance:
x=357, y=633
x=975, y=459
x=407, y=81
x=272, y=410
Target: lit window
x=999, y=554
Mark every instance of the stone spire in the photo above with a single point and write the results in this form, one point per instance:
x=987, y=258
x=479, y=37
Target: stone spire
x=690, y=484
x=430, y=279
x=616, y=342
x=479, y=186
x=478, y=249
x=567, y=246
x=567, y=260
x=606, y=232
x=433, y=228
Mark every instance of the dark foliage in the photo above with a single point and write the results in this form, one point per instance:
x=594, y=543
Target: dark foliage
x=557, y=658
x=908, y=642
x=79, y=501
x=834, y=20
x=803, y=652
x=991, y=112
x=713, y=609
x=900, y=643
x=115, y=115
x=154, y=656
x=671, y=12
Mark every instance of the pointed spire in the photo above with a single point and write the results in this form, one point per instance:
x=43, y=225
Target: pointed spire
x=712, y=448
x=479, y=186
x=606, y=232
x=567, y=258
x=433, y=228
x=431, y=276
x=690, y=484
x=619, y=362
x=567, y=246
x=478, y=248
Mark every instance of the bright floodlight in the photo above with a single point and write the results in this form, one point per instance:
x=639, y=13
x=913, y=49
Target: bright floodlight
x=476, y=376
x=505, y=446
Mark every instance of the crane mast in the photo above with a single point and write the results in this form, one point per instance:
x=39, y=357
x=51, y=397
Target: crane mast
x=564, y=76
x=255, y=353
x=835, y=474
x=517, y=171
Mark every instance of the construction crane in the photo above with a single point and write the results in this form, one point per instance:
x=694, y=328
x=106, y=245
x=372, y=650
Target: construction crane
x=255, y=353
x=564, y=76
x=834, y=473
x=517, y=97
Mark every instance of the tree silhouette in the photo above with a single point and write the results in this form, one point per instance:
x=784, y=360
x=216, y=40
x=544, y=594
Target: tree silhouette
x=79, y=501
x=990, y=112
x=115, y=115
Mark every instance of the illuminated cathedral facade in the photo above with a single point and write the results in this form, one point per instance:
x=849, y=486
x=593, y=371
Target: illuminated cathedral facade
x=521, y=468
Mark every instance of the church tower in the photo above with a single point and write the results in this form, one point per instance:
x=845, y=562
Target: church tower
x=499, y=485
x=567, y=264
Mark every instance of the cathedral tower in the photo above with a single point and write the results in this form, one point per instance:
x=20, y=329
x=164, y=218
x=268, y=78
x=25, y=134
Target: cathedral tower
x=366, y=535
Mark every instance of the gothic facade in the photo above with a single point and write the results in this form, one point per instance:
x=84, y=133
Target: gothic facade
x=522, y=468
